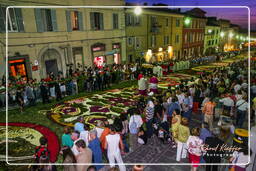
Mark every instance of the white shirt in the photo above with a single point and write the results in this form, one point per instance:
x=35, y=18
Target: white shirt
x=99, y=131
x=142, y=84
x=84, y=135
x=113, y=143
x=137, y=119
x=74, y=149
x=227, y=101
x=243, y=105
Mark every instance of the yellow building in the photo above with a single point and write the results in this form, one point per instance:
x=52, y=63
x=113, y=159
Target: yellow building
x=47, y=40
x=155, y=34
x=211, y=39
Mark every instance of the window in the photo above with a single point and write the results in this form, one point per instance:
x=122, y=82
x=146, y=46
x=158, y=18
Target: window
x=15, y=20
x=96, y=21
x=177, y=22
x=46, y=20
x=115, y=21
x=129, y=41
x=153, y=40
x=216, y=41
x=209, y=42
x=137, y=42
x=153, y=21
x=177, y=38
x=186, y=38
x=137, y=20
x=129, y=19
x=74, y=20
x=74, y=17
x=166, y=22
x=166, y=40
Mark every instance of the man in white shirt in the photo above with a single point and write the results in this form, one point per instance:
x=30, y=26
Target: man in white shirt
x=134, y=125
x=228, y=103
x=113, y=141
x=242, y=108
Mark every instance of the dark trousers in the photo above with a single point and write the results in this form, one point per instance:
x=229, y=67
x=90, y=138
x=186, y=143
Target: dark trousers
x=240, y=118
x=149, y=128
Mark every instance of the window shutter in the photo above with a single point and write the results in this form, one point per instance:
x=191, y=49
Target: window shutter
x=2, y=21
x=69, y=29
x=39, y=20
x=54, y=20
x=101, y=21
x=92, y=20
x=19, y=18
x=80, y=21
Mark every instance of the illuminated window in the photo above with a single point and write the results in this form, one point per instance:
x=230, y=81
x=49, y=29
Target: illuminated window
x=74, y=18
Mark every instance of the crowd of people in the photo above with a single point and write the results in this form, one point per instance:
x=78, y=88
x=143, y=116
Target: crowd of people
x=168, y=116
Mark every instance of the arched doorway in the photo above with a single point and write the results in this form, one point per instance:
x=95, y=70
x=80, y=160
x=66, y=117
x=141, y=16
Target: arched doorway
x=51, y=61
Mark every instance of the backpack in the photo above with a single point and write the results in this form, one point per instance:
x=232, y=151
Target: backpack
x=133, y=127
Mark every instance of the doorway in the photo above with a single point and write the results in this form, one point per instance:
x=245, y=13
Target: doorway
x=51, y=66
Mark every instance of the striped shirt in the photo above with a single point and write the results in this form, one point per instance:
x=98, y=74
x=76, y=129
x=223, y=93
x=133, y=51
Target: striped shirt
x=149, y=113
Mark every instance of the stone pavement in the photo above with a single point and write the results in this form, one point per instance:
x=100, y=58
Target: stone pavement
x=157, y=152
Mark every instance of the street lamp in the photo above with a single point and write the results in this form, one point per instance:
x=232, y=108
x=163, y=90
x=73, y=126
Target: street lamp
x=187, y=21
x=231, y=35
x=210, y=30
x=138, y=10
x=222, y=34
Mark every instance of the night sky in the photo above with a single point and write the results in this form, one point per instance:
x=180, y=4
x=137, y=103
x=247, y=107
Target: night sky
x=237, y=16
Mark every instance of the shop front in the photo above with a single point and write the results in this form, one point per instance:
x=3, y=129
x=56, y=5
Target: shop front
x=18, y=67
x=98, y=54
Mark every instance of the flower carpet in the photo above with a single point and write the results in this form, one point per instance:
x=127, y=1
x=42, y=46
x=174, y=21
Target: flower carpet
x=98, y=107
x=172, y=80
x=24, y=137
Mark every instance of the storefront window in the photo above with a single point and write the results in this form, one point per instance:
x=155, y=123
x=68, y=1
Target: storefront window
x=17, y=68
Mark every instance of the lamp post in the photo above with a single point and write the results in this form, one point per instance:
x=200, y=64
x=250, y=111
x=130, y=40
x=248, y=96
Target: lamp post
x=138, y=10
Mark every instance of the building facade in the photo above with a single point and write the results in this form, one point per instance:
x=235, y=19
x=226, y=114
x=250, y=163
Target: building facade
x=47, y=40
x=211, y=37
x=154, y=35
x=193, y=33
